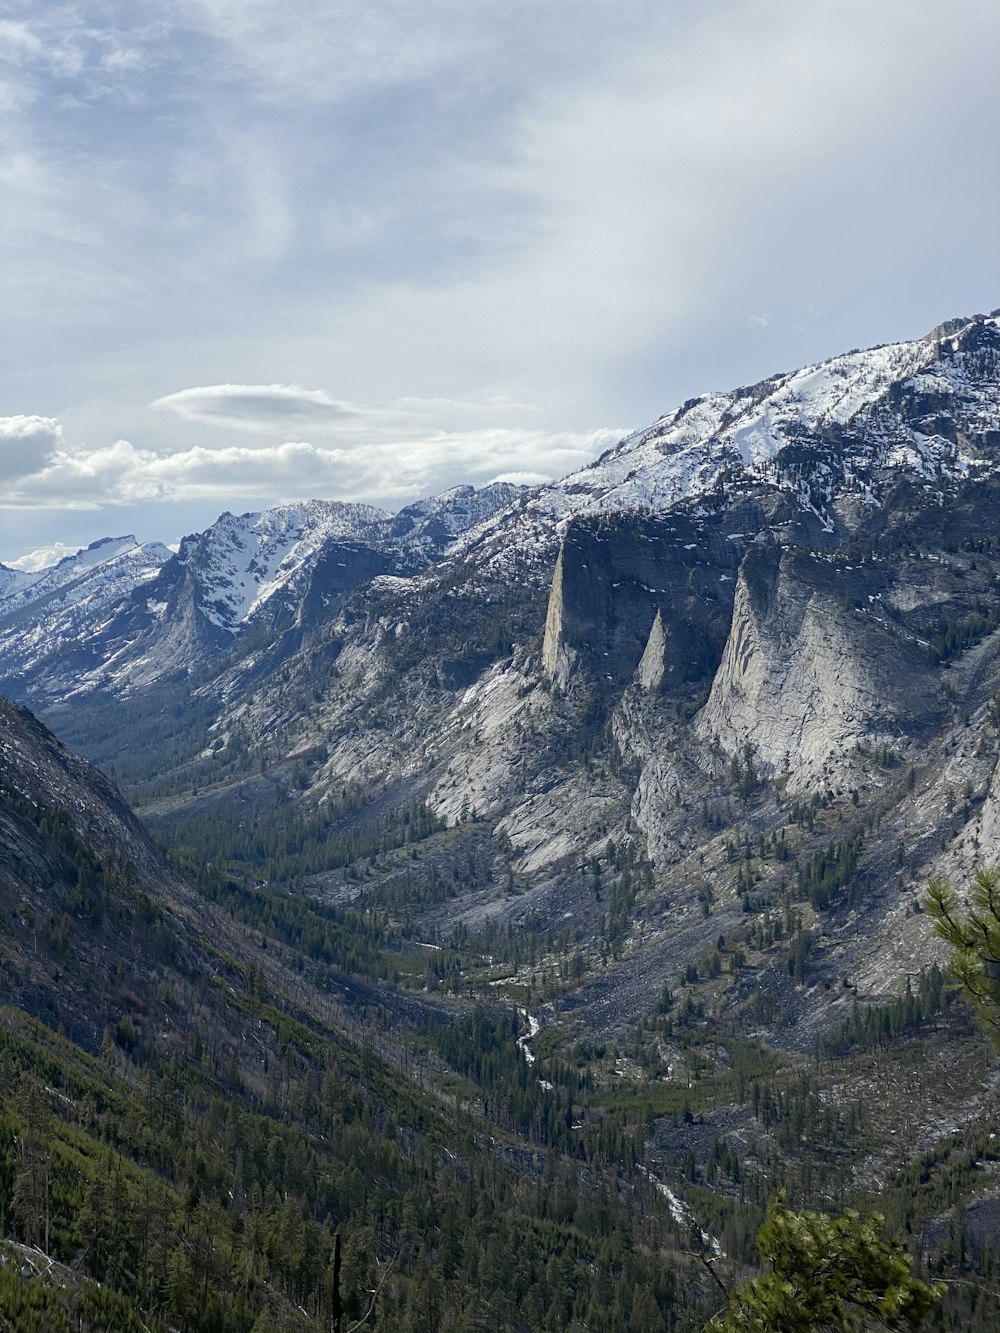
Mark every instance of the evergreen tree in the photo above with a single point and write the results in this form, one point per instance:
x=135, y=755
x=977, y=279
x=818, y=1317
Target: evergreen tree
x=31, y=1177
x=974, y=936
x=827, y=1275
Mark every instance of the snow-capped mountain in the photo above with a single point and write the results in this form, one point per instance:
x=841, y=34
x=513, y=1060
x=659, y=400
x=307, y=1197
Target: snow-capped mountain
x=880, y=408
x=773, y=607
x=833, y=438
x=106, y=562
x=49, y=610
x=120, y=615
x=431, y=524
x=652, y=539
x=925, y=409
x=240, y=562
x=780, y=596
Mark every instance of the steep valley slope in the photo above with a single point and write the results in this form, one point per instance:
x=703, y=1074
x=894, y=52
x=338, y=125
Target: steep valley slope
x=219, y=1111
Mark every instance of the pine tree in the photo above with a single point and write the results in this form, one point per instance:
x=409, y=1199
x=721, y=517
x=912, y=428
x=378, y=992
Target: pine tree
x=974, y=936
x=827, y=1275
x=31, y=1177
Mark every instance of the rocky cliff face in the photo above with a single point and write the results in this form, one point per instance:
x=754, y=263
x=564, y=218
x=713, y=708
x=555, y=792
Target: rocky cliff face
x=557, y=655
x=658, y=658
x=810, y=674
x=615, y=580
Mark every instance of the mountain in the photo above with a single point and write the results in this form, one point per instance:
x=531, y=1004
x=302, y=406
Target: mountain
x=774, y=600
x=101, y=563
x=819, y=448
x=55, y=609
x=845, y=427
x=603, y=809
x=119, y=616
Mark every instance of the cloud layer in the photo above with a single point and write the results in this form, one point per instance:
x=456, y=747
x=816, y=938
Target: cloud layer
x=255, y=407
x=267, y=408
x=393, y=470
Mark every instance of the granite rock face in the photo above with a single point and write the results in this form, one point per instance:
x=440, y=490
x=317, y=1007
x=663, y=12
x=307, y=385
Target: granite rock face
x=656, y=663
x=808, y=675
x=617, y=582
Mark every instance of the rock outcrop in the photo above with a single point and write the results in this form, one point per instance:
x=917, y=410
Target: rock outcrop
x=653, y=666
x=809, y=677
x=557, y=655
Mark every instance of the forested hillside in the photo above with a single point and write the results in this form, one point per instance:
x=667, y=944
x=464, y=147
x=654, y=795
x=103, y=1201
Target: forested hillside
x=220, y=1080
x=251, y=1096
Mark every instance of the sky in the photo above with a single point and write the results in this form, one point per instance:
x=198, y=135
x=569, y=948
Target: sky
x=254, y=252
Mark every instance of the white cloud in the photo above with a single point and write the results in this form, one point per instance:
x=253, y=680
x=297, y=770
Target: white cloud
x=522, y=478
x=43, y=557
x=270, y=408
x=18, y=41
x=70, y=43
x=392, y=472
x=85, y=478
x=26, y=444
x=254, y=407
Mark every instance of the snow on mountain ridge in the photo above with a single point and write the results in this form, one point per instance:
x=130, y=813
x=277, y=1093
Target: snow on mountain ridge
x=124, y=609
x=927, y=409
x=77, y=595
x=91, y=562
x=13, y=582
x=454, y=512
x=242, y=561
x=690, y=451
x=720, y=429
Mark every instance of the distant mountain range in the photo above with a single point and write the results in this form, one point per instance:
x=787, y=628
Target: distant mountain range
x=119, y=611
x=849, y=428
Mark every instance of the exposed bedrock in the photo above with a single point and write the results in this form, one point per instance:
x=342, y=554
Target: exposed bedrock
x=645, y=594
x=811, y=671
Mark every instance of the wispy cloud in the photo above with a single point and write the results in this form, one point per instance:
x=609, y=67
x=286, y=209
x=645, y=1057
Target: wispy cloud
x=333, y=51
x=269, y=408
